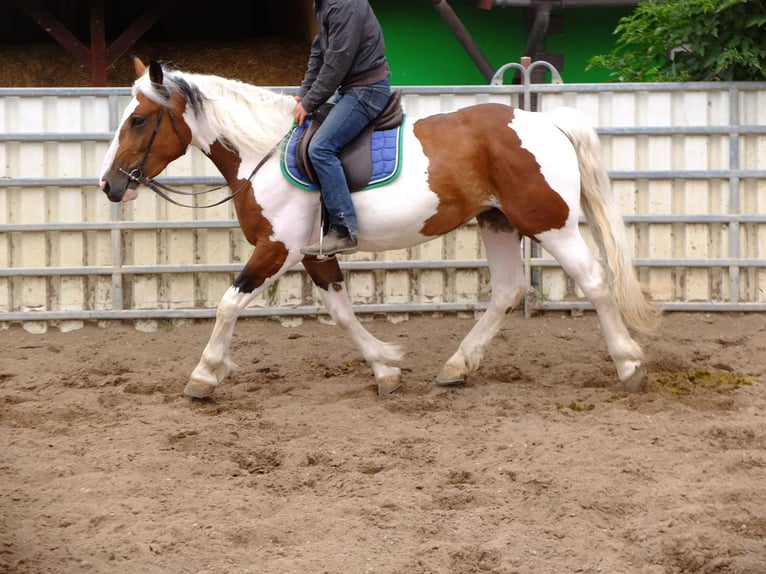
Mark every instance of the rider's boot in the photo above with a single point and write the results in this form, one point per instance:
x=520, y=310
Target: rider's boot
x=337, y=240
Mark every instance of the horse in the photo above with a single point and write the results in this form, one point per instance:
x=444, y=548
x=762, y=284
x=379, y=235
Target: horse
x=517, y=173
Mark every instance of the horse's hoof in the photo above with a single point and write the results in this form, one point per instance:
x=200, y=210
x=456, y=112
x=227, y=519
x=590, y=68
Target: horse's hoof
x=388, y=386
x=450, y=377
x=198, y=389
x=637, y=381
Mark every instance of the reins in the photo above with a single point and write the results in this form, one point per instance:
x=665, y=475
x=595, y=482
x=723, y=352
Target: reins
x=160, y=189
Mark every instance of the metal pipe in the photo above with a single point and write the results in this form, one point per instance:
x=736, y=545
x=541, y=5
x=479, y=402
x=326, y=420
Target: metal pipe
x=373, y=309
x=465, y=39
x=181, y=313
x=539, y=29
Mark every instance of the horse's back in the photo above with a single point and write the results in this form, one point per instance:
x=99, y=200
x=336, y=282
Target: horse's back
x=494, y=155
x=470, y=138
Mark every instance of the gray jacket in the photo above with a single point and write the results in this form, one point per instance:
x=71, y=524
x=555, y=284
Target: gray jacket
x=347, y=51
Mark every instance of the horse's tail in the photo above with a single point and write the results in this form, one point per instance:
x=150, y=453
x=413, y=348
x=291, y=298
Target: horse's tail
x=603, y=215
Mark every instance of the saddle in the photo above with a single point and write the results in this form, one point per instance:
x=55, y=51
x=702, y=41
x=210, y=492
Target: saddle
x=355, y=157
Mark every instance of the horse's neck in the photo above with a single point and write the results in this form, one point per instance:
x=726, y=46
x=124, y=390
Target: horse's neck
x=228, y=162
x=241, y=140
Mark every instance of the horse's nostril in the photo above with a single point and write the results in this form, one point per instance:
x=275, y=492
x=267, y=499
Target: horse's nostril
x=107, y=189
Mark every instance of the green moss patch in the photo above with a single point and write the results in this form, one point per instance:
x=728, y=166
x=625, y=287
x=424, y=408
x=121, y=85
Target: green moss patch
x=685, y=382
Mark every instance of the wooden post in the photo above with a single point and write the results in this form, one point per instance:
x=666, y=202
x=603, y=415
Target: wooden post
x=98, y=63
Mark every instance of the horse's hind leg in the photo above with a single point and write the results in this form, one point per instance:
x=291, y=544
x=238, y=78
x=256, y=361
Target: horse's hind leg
x=503, y=246
x=571, y=251
x=327, y=275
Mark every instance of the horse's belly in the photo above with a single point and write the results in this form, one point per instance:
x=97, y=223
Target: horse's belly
x=393, y=217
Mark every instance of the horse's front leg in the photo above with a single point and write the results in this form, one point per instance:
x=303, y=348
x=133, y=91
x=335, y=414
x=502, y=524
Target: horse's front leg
x=327, y=275
x=261, y=270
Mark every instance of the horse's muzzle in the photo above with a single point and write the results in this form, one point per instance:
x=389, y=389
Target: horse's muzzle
x=126, y=190
x=110, y=192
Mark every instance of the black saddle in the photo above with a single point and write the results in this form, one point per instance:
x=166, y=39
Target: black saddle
x=355, y=157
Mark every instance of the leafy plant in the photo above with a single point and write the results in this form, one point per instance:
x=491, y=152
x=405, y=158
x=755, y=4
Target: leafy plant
x=689, y=40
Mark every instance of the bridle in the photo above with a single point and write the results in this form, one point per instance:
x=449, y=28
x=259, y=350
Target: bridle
x=137, y=175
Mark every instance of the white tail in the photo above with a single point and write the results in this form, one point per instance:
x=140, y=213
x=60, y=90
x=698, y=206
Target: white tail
x=603, y=215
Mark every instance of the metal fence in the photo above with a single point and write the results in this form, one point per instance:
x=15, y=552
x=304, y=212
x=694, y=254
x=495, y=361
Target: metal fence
x=686, y=162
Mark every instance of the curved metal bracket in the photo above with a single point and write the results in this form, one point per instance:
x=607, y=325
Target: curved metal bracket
x=497, y=78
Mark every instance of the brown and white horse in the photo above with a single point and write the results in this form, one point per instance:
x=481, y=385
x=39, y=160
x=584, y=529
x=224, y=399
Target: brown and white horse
x=518, y=173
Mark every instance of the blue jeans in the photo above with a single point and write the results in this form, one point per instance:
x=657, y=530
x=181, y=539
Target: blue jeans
x=354, y=109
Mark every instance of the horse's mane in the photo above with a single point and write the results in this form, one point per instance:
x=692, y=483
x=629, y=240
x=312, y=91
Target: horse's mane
x=240, y=115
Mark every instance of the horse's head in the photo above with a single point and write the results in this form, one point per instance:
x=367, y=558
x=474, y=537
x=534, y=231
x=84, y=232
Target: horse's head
x=152, y=134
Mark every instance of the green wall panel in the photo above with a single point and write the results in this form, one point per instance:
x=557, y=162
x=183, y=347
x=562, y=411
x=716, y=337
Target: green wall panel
x=422, y=50
x=587, y=32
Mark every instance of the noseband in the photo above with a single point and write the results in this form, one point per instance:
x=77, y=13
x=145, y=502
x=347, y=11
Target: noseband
x=137, y=175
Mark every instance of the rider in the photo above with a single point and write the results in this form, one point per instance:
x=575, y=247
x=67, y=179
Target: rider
x=347, y=56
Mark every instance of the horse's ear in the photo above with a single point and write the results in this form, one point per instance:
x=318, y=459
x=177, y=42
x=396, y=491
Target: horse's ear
x=139, y=66
x=155, y=72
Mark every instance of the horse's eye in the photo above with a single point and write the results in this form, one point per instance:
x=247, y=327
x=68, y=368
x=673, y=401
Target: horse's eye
x=137, y=121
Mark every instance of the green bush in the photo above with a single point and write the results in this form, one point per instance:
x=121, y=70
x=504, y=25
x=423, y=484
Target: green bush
x=689, y=40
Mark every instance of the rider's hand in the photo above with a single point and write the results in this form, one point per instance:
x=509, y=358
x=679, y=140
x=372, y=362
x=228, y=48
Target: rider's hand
x=300, y=113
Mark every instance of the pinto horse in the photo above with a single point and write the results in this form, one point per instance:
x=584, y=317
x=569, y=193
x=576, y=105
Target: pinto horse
x=517, y=173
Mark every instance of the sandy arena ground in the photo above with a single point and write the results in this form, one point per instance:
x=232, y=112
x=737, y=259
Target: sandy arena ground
x=539, y=464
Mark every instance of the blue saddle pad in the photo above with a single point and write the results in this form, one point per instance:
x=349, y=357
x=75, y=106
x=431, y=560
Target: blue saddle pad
x=385, y=151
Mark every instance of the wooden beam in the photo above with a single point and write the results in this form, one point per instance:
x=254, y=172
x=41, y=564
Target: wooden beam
x=56, y=29
x=100, y=56
x=138, y=28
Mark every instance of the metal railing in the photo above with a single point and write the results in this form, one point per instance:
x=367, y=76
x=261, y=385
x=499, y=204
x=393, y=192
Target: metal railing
x=733, y=218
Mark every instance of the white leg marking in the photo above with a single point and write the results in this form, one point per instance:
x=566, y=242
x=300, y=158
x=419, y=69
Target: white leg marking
x=507, y=280
x=569, y=248
x=376, y=352
x=215, y=364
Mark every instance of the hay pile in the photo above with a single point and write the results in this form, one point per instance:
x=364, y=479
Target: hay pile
x=259, y=61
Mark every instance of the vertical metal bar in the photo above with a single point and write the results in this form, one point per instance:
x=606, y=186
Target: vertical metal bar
x=116, y=239
x=527, y=242
x=115, y=215
x=735, y=207
x=526, y=81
